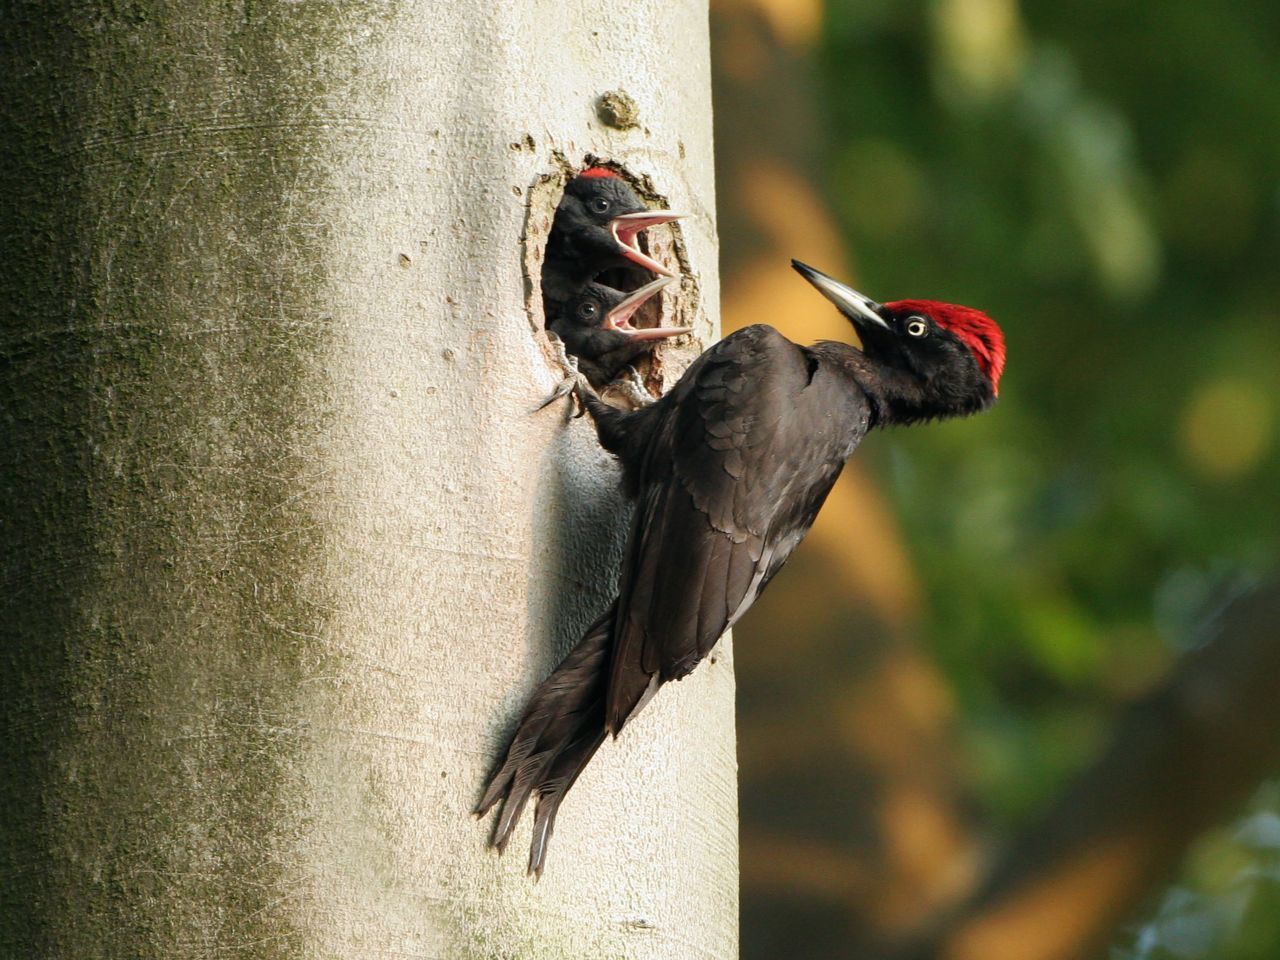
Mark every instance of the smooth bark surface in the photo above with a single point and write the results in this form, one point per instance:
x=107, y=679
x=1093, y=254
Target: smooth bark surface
x=284, y=550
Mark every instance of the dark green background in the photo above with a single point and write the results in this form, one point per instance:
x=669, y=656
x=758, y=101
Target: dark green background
x=1104, y=179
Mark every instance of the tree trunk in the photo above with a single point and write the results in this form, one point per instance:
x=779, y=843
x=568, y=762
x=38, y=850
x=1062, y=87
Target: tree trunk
x=284, y=548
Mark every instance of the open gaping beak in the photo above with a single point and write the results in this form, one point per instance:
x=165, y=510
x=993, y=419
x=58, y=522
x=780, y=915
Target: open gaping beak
x=619, y=318
x=863, y=311
x=625, y=227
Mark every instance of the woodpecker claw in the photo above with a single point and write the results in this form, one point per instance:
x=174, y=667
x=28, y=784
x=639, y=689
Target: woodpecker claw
x=582, y=392
x=569, y=366
x=563, y=389
x=631, y=385
x=573, y=383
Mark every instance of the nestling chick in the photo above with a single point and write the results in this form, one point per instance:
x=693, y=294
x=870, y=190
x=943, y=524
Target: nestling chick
x=595, y=327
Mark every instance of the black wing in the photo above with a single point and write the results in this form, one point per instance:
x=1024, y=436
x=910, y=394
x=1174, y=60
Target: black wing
x=747, y=447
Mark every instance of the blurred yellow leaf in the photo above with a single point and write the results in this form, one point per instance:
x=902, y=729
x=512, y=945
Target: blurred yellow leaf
x=1226, y=428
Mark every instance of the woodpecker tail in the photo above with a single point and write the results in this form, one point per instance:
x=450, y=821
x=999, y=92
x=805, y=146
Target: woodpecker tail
x=560, y=731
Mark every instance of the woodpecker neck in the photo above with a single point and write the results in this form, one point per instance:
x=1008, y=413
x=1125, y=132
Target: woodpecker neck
x=901, y=396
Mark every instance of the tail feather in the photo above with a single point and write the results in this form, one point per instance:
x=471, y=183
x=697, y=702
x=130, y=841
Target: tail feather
x=559, y=733
x=571, y=762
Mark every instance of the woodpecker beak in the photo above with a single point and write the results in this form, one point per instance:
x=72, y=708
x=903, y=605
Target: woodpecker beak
x=619, y=318
x=625, y=228
x=863, y=311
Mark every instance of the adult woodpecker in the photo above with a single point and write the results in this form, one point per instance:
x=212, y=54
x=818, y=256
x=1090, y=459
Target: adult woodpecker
x=729, y=470
x=595, y=229
x=595, y=326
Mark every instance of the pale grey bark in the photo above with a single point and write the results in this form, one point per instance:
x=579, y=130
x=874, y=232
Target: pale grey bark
x=283, y=548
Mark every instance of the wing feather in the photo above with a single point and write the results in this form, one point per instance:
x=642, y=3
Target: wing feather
x=748, y=444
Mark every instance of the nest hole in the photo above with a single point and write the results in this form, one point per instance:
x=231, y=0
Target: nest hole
x=674, y=306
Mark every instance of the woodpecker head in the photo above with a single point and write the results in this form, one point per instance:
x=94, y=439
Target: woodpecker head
x=601, y=216
x=598, y=320
x=951, y=356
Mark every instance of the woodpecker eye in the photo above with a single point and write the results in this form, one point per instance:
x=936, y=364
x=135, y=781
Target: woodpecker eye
x=916, y=326
x=588, y=310
x=600, y=205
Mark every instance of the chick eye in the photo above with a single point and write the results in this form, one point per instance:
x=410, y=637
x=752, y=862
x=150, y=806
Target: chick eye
x=916, y=326
x=600, y=205
x=588, y=310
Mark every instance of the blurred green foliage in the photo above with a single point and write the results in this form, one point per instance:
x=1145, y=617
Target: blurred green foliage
x=1233, y=910
x=1104, y=179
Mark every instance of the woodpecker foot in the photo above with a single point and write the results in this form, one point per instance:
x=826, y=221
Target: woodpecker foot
x=631, y=385
x=573, y=382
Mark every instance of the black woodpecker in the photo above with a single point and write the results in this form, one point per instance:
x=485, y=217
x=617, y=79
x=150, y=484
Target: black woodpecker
x=595, y=229
x=595, y=327
x=728, y=471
